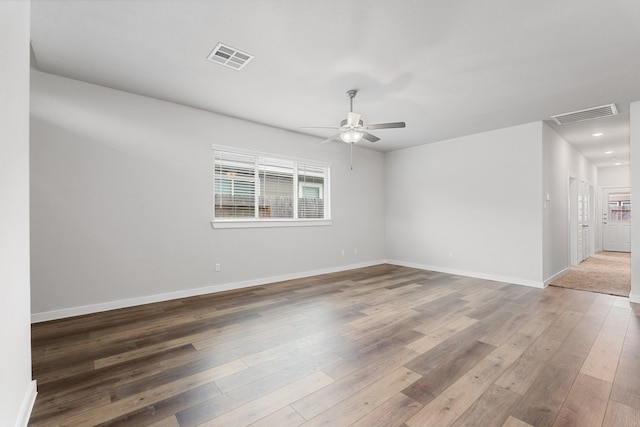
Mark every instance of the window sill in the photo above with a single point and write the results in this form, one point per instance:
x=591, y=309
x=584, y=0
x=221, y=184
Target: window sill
x=269, y=223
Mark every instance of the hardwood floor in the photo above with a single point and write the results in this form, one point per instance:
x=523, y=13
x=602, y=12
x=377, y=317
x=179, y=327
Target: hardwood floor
x=378, y=346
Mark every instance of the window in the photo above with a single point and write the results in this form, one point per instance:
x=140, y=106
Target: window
x=620, y=207
x=254, y=189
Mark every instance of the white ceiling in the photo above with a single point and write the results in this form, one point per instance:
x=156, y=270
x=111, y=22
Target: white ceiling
x=447, y=69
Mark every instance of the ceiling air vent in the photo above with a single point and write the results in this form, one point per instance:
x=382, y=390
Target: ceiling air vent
x=229, y=56
x=588, y=114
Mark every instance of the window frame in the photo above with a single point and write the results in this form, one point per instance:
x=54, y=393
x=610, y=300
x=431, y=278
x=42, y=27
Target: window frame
x=256, y=221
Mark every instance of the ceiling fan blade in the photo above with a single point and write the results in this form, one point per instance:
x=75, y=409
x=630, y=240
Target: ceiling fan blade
x=332, y=138
x=386, y=125
x=353, y=119
x=369, y=137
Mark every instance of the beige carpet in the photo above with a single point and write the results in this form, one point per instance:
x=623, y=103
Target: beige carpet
x=604, y=272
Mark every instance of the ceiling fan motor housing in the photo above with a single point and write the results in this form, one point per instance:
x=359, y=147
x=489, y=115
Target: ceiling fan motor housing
x=344, y=123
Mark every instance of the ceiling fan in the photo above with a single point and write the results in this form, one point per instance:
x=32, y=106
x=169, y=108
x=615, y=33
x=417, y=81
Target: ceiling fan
x=352, y=129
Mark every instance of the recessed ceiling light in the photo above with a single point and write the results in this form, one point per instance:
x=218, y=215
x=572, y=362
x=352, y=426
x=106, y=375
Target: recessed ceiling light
x=598, y=134
x=617, y=164
x=608, y=152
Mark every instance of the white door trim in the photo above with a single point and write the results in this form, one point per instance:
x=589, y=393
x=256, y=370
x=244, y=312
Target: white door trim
x=573, y=187
x=572, y=201
x=603, y=206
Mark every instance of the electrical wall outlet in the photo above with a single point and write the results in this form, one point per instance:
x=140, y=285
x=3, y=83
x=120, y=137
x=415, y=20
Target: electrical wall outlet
x=217, y=266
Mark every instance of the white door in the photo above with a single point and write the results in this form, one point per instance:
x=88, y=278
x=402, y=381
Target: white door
x=584, y=218
x=616, y=220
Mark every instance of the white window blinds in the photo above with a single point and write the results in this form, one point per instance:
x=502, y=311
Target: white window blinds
x=235, y=184
x=276, y=188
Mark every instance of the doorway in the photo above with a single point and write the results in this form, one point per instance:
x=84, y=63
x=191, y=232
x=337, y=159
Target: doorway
x=607, y=271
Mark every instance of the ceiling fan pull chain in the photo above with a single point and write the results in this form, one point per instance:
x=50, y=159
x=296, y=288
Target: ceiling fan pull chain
x=351, y=163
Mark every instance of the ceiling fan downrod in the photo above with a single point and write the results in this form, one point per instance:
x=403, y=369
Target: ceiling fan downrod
x=351, y=94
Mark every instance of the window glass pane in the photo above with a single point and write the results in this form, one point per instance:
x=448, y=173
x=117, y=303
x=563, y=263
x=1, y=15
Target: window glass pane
x=276, y=188
x=311, y=190
x=243, y=187
x=224, y=186
x=234, y=178
x=620, y=207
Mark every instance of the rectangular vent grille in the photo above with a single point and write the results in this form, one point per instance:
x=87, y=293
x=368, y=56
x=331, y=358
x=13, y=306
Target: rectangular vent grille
x=229, y=56
x=588, y=114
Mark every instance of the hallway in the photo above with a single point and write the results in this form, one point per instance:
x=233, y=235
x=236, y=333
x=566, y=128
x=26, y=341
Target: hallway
x=603, y=272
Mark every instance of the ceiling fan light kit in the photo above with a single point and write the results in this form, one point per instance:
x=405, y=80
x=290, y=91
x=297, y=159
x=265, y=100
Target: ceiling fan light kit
x=351, y=136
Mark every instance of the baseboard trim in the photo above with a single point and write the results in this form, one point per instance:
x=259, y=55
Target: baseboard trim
x=555, y=276
x=27, y=405
x=634, y=297
x=113, y=305
x=466, y=273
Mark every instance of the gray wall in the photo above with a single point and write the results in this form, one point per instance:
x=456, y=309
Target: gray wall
x=469, y=205
x=17, y=391
x=477, y=205
x=122, y=202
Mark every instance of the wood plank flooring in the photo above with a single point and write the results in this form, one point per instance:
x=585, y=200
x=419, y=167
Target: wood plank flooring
x=378, y=346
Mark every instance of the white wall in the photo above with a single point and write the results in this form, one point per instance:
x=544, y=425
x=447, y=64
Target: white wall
x=17, y=391
x=122, y=202
x=561, y=160
x=469, y=205
x=634, y=141
x=614, y=176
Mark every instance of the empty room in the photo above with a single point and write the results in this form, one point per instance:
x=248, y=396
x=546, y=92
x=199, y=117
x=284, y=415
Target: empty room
x=337, y=213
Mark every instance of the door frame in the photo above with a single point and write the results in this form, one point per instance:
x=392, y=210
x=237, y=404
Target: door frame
x=601, y=207
x=573, y=184
x=572, y=204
